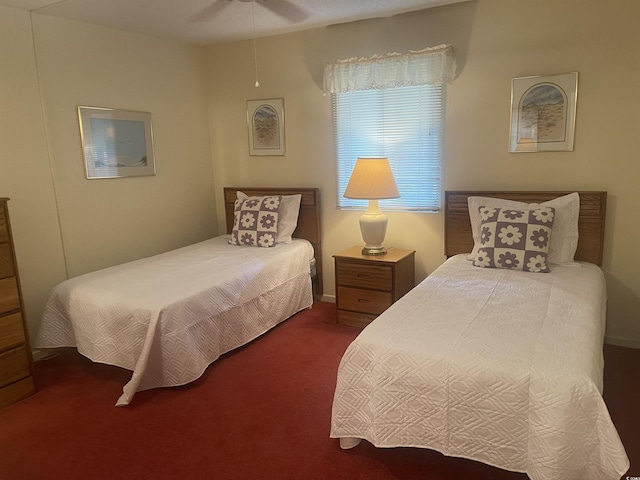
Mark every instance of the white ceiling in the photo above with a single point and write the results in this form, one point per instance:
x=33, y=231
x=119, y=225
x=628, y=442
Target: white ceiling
x=206, y=22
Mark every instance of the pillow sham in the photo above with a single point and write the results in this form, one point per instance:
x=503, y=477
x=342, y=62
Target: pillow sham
x=516, y=239
x=564, y=240
x=255, y=221
x=288, y=215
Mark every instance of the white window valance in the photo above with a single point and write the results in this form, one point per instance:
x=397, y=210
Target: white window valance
x=431, y=66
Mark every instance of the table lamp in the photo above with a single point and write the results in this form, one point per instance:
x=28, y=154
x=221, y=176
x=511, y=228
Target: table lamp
x=372, y=180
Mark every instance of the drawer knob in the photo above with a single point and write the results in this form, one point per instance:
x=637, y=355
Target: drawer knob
x=363, y=300
x=362, y=275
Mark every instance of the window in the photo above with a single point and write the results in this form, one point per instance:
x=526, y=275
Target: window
x=405, y=125
x=392, y=106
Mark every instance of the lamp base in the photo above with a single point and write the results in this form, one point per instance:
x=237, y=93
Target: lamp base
x=374, y=251
x=373, y=226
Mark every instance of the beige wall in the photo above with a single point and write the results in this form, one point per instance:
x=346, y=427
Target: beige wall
x=101, y=222
x=495, y=40
x=25, y=174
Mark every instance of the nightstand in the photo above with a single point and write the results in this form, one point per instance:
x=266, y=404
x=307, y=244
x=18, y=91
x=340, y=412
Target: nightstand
x=366, y=285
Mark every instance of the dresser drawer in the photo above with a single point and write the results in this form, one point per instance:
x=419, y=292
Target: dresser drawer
x=11, y=331
x=9, y=299
x=6, y=261
x=16, y=391
x=365, y=301
x=14, y=366
x=368, y=276
x=4, y=232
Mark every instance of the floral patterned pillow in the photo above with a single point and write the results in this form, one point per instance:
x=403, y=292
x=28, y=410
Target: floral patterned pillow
x=515, y=239
x=255, y=221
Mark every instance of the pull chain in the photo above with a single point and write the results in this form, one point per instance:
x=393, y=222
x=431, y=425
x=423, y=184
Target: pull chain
x=255, y=55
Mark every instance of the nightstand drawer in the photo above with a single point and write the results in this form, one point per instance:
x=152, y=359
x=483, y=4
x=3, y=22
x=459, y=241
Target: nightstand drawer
x=368, y=276
x=11, y=331
x=14, y=365
x=365, y=301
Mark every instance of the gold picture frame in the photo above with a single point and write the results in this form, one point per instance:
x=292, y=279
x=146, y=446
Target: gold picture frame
x=265, y=119
x=543, y=113
x=116, y=143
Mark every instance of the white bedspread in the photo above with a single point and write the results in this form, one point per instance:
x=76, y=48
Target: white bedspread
x=497, y=366
x=169, y=316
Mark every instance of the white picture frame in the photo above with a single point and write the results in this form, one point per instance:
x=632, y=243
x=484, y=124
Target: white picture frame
x=265, y=119
x=543, y=113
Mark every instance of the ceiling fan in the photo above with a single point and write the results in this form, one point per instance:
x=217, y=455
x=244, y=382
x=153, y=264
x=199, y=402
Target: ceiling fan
x=283, y=8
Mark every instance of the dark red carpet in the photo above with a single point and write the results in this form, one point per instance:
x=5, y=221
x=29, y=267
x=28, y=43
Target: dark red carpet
x=261, y=412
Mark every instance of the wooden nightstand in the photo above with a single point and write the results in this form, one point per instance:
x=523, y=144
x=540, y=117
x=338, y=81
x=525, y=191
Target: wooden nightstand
x=366, y=285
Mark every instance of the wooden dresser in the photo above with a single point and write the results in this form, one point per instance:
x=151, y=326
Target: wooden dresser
x=366, y=285
x=16, y=363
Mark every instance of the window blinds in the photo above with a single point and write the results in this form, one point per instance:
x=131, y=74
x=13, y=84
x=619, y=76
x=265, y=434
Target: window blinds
x=403, y=124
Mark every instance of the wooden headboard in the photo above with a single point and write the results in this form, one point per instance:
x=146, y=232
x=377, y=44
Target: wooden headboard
x=308, y=218
x=593, y=206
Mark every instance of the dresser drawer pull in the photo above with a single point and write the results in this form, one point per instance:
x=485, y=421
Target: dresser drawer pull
x=363, y=300
x=363, y=275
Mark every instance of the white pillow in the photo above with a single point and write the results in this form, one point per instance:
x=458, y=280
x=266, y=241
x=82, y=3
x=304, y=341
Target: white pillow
x=288, y=217
x=564, y=234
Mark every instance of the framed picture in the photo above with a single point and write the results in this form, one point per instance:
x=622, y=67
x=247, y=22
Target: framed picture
x=266, y=126
x=543, y=113
x=116, y=143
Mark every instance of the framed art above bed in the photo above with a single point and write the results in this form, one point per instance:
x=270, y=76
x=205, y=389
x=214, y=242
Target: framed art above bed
x=543, y=113
x=265, y=119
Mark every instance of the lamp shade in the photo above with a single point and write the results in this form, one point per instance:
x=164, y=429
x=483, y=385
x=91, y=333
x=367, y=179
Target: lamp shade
x=372, y=179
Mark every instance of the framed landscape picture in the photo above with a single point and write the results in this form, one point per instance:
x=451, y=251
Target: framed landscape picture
x=265, y=119
x=116, y=143
x=543, y=113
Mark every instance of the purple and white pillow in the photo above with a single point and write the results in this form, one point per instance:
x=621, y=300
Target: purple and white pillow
x=255, y=221
x=516, y=239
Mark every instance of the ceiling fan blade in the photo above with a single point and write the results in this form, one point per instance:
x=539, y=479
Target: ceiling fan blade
x=285, y=9
x=207, y=13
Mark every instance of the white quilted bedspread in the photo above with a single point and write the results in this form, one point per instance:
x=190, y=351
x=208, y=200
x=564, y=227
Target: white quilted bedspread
x=497, y=366
x=169, y=316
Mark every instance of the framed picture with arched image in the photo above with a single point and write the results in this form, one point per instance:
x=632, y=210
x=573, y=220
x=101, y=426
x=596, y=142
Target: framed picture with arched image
x=543, y=113
x=265, y=120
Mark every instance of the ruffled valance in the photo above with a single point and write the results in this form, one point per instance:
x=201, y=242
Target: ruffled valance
x=431, y=66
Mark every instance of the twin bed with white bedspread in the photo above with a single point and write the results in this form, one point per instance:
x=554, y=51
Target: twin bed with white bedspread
x=499, y=366
x=167, y=317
